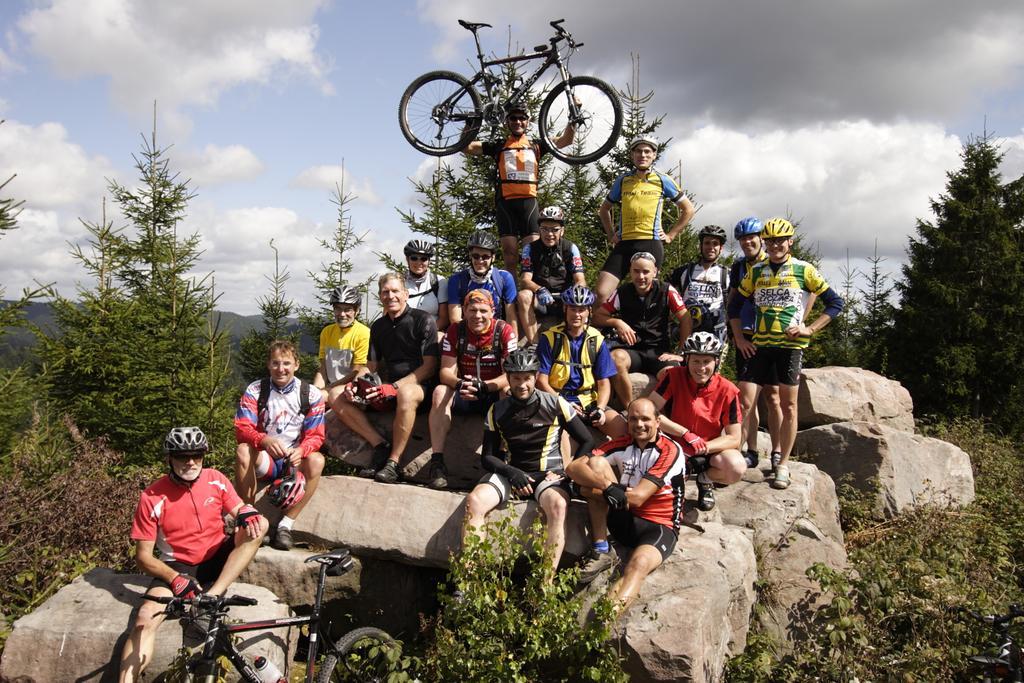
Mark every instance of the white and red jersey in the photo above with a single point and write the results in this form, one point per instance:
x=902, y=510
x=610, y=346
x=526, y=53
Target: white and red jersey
x=185, y=521
x=661, y=462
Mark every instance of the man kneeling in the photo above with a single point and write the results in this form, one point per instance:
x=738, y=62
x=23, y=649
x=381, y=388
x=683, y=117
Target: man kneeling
x=634, y=488
x=530, y=424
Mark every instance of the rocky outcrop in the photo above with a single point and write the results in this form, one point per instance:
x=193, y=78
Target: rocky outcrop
x=838, y=394
x=77, y=634
x=903, y=470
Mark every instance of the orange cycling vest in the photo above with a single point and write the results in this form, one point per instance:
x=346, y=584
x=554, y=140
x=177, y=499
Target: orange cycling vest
x=518, y=168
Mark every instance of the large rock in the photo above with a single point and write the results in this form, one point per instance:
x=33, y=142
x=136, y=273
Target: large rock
x=77, y=634
x=693, y=611
x=408, y=524
x=838, y=394
x=791, y=529
x=904, y=470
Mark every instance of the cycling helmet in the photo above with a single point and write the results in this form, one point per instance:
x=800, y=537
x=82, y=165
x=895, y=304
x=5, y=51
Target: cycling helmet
x=644, y=140
x=343, y=294
x=748, y=226
x=516, y=106
x=419, y=247
x=522, y=360
x=483, y=240
x=778, y=227
x=578, y=295
x=287, y=490
x=703, y=344
x=185, y=440
x=553, y=213
x=715, y=231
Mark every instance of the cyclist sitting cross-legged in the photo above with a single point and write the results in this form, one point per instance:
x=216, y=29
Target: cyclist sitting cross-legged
x=471, y=379
x=279, y=427
x=517, y=170
x=181, y=515
x=482, y=274
x=522, y=452
x=575, y=364
x=701, y=410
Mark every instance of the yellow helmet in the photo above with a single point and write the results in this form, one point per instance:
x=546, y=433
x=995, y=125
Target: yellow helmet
x=778, y=227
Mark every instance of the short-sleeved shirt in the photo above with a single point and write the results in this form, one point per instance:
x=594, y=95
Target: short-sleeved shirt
x=399, y=345
x=780, y=293
x=479, y=359
x=421, y=293
x=739, y=270
x=500, y=284
x=570, y=357
x=640, y=197
x=355, y=338
x=661, y=462
x=705, y=411
x=282, y=416
x=517, y=168
x=185, y=522
x=551, y=267
x=531, y=433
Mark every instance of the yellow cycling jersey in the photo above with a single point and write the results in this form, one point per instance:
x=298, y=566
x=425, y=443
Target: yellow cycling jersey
x=356, y=338
x=780, y=299
x=640, y=197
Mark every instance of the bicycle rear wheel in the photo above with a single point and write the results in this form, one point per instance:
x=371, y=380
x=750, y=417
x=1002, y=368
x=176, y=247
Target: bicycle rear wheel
x=439, y=113
x=360, y=655
x=599, y=124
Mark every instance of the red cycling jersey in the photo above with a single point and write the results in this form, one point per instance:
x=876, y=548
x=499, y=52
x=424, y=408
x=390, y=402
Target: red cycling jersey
x=480, y=349
x=705, y=411
x=186, y=522
x=660, y=462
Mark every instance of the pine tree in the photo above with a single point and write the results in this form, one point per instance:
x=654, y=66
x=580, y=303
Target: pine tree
x=874, y=317
x=957, y=338
x=839, y=345
x=275, y=309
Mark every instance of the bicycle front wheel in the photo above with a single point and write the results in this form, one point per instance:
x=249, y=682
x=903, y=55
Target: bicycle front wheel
x=439, y=113
x=598, y=121
x=360, y=655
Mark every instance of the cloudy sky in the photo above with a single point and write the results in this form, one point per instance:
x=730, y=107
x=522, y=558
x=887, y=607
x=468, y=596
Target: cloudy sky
x=845, y=114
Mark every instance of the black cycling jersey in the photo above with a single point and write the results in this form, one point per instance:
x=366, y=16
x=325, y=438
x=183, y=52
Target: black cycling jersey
x=398, y=346
x=530, y=432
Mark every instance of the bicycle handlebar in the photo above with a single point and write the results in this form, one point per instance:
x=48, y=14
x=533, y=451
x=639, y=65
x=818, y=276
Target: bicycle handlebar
x=205, y=600
x=1016, y=612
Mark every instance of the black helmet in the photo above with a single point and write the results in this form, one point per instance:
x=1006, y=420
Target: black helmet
x=715, y=231
x=517, y=106
x=578, y=295
x=482, y=239
x=343, y=294
x=522, y=360
x=185, y=440
x=419, y=247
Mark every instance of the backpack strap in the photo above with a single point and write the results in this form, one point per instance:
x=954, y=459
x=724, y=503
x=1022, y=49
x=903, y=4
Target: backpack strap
x=304, y=397
x=261, y=402
x=499, y=330
x=460, y=346
x=592, y=349
x=434, y=285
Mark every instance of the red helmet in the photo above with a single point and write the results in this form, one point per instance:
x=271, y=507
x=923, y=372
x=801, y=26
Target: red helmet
x=287, y=490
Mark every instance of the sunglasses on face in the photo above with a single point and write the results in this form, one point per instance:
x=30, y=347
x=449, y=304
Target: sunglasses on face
x=481, y=257
x=418, y=258
x=185, y=457
x=776, y=240
x=518, y=117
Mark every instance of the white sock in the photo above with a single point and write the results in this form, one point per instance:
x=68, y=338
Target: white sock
x=285, y=523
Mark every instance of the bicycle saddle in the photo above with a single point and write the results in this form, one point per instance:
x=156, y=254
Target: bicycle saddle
x=469, y=25
x=338, y=561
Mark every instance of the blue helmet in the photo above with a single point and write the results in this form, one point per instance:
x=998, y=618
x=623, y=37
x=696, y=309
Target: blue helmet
x=748, y=226
x=578, y=295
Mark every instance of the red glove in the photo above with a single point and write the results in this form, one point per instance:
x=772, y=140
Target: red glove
x=250, y=517
x=696, y=444
x=184, y=586
x=386, y=393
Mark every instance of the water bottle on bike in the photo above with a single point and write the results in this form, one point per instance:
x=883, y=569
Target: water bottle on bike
x=268, y=671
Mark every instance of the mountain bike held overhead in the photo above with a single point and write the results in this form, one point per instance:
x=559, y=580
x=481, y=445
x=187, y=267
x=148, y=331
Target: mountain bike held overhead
x=442, y=111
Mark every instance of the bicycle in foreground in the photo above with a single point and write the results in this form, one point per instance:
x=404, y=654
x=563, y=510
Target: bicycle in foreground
x=442, y=111
x=366, y=642
x=1007, y=664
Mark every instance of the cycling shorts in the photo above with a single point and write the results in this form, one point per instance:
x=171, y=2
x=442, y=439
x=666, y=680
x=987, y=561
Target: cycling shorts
x=647, y=361
x=517, y=217
x=774, y=365
x=632, y=532
x=617, y=262
x=744, y=365
x=274, y=470
x=206, y=573
x=540, y=484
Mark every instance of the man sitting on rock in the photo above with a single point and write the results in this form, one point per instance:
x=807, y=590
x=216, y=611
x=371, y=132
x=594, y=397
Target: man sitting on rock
x=279, y=427
x=639, y=313
x=181, y=513
x=403, y=366
x=703, y=415
x=471, y=377
x=344, y=334
x=522, y=453
x=634, y=488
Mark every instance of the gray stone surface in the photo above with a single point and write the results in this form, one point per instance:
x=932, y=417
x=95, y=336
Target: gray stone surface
x=840, y=394
x=904, y=470
x=77, y=634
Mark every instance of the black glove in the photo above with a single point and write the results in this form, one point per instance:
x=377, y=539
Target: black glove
x=615, y=495
x=592, y=414
x=517, y=478
x=480, y=386
x=184, y=586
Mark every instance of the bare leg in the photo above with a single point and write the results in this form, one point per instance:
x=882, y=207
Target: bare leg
x=527, y=316
x=620, y=382
x=311, y=466
x=606, y=284
x=748, y=402
x=481, y=500
x=788, y=410
x=644, y=560
x=614, y=424
x=355, y=419
x=510, y=253
x=410, y=396
x=726, y=467
x=440, y=418
x=238, y=560
x=138, y=647
x=246, y=458
x=554, y=503
x=770, y=394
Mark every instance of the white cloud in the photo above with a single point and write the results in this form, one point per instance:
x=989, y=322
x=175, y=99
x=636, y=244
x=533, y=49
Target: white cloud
x=179, y=53
x=329, y=177
x=1013, y=159
x=215, y=165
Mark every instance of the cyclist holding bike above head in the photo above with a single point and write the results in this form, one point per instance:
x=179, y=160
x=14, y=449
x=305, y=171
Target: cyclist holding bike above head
x=181, y=516
x=639, y=196
x=517, y=160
